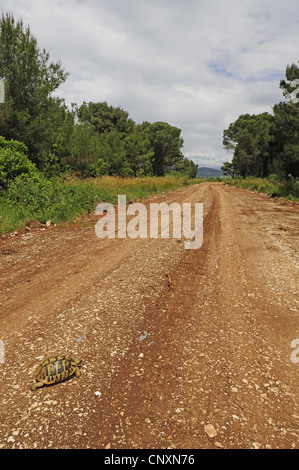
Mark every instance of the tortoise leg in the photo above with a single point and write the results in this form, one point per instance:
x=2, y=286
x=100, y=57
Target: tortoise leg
x=37, y=385
x=78, y=373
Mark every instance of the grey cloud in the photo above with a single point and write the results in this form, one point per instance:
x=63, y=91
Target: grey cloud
x=197, y=65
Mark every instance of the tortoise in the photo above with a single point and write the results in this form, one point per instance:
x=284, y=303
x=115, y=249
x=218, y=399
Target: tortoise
x=56, y=369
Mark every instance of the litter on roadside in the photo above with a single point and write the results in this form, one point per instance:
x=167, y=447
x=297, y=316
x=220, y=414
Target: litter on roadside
x=144, y=336
x=81, y=337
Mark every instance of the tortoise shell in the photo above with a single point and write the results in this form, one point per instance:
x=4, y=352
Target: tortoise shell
x=56, y=369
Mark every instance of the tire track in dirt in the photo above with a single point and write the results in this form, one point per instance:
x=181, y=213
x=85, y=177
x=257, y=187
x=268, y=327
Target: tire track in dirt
x=133, y=415
x=253, y=400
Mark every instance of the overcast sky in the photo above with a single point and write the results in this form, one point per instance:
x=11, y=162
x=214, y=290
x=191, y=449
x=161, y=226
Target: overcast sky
x=196, y=64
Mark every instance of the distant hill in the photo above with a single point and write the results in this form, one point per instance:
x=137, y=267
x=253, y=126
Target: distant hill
x=204, y=172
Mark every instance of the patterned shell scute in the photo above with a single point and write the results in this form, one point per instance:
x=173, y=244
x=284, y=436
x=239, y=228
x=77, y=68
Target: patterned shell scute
x=55, y=369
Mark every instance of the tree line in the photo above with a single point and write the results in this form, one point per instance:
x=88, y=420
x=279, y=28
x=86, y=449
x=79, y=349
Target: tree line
x=92, y=139
x=265, y=143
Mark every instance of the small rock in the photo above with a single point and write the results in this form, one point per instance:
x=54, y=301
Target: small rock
x=218, y=444
x=34, y=405
x=179, y=410
x=210, y=430
x=97, y=393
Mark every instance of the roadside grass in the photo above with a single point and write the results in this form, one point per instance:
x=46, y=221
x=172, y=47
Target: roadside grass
x=272, y=185
x=63, y=200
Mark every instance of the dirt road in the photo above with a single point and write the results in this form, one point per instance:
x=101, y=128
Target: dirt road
x=206, y=364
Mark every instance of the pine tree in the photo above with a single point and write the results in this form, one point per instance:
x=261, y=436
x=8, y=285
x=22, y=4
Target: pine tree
x=30, y=79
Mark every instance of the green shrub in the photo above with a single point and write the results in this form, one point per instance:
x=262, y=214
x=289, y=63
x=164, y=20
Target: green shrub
x=288, y=189
x=14, y=161
x=37, y=197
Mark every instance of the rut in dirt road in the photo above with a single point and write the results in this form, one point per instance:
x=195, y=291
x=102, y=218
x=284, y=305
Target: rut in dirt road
x=204, y=364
